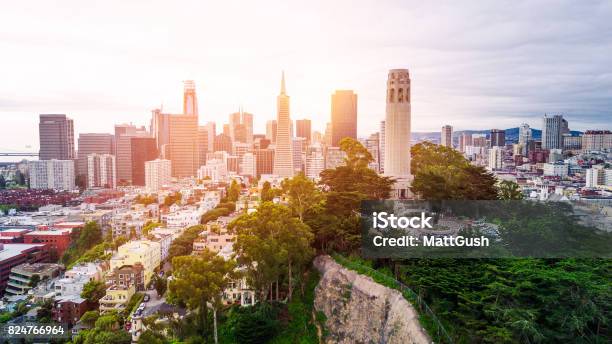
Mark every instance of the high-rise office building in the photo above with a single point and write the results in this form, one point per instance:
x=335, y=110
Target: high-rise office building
x=190, y=100
x=101, y=171
x=315, y=161
x=123, y=150
x=264, y=161
x=302, y=129
x=248, y=165
x=343, y=116
x=202, y=144
x=397, y=128
x=553, y=129
x=52, y=174
x=495, y=158
x=498, y=138
x=158, y=173
x=299, y=147
x=465, y=140
x=446, y=136
x=271, y=126
x=524, y=133
x=56, y=134
x=177, y=135
x=223, y=143
x=283, y=153
x=143, y=149
x=241, y=127
x=90, y=143
x=479, y=140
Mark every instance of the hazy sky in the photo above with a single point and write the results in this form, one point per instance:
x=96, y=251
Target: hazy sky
x=473, y=64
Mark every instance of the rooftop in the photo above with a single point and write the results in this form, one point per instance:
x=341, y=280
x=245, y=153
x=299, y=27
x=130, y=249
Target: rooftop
x=8, y=251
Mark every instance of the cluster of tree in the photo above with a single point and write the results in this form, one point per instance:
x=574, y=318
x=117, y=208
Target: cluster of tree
x=19, y=180
x=93, y=291
x=148, y=227
x=145, y=199
x=82, y=240
x=268, y=193
x=183, y=245
x=198, y=283
x=442, y=173
x=107, y=328
x=222, y=209
x=173, y=198
x=333, y=214
x=233, y=192
x=273, y=247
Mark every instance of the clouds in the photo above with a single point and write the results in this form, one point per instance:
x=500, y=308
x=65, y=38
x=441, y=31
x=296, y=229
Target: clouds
x=474, y=64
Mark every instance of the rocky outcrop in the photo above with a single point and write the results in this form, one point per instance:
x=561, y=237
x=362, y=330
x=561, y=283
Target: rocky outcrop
x=359, y=310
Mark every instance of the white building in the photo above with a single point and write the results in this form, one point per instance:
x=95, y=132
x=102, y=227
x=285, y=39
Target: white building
x=556, y=169
x=52, y=174
x=101, y=171
x=315, y=163
x=495, y=158
x=598, y=176
x=215, y=170
x=157, y=174
x=298, y=147
x=248, y=165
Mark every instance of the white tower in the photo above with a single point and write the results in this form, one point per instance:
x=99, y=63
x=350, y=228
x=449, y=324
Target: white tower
x=283, y=153
x=397, y=131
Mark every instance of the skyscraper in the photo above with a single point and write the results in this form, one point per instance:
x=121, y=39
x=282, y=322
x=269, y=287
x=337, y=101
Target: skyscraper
x=283, y=155
x=397, y=129
x=190, y=100
x=56, y=134
x=241, y=127
x=101, y=171
x=302, y=129
x=271, y=130
x=143, y=149
x=524, y=134
x=498, y=137
x=343, y=116
x=465, y=140
x=264, y=161
x=123, y=150
x=446, y=136
x=89, y=143
x=553, y=129
x=495, y=158
x=177, y=135
x=299, y=146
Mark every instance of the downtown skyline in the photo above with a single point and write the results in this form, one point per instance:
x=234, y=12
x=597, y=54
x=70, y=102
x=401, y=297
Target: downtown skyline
x=503, y=70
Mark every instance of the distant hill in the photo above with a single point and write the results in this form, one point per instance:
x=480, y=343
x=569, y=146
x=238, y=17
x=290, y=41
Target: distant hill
x=511, y=134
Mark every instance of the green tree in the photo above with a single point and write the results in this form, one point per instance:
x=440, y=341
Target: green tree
x=90, y=235
x=441, y=173
x=509, y=190
x=89, y=318
x=302, y=193
x=266, y=194
x=2, y=182
x=148, y=227
x=234, y=191
x=270, y=241
x=93, y=291
x=199, y=282
x=160, y=284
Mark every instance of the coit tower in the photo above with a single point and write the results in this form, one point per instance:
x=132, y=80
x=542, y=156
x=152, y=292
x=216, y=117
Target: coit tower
x=283, y=155
x=397, y=125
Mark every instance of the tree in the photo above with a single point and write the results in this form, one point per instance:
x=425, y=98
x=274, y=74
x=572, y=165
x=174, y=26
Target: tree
x=160, y=284
x=233, y=192
x=270, y=241
x=148, y=227
x=441, y=173
x=89, y=318
x=355, y=175
x=266, y=194
x=91, y=234
x=146, y=199
x=93, y=291
x=2, y=182
x=199, y=282
x=302, y=193
x=509, y=190
x=173, y=198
